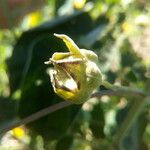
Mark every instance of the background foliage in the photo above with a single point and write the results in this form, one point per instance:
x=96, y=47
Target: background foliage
x=117, y=30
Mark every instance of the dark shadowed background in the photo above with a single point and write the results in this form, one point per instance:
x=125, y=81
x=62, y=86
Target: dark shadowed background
x=117, y=30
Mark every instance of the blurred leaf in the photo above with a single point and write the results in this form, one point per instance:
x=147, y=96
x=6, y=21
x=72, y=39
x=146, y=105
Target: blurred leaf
x=64, y=143
x=131, y=76
x=94, y=35
x=8, y=111
x=128, y=57
x=111, y=76
x=5, y=105
x=28, y=72
x=97, y=122
x=112, y=1
x=135, y=134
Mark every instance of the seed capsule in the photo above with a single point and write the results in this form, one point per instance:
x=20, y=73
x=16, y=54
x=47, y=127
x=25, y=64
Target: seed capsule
x=75, y=74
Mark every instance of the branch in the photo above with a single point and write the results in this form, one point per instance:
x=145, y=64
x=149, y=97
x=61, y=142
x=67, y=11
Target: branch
x=123, y=90
x=35, y=116
x=119, y=91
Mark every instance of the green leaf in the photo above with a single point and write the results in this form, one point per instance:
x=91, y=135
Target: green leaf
x=64, y=143
x=5, y=105
x=8, y=111
x=97, y=122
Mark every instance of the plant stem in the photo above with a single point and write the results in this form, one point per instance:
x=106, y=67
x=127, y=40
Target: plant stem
x=122, y=90
x=115, y=91
x=35, y=116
